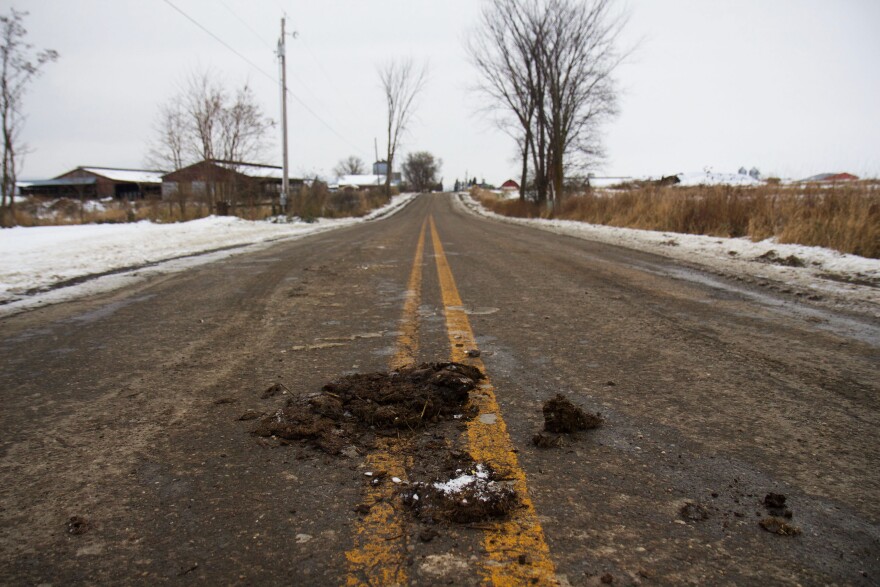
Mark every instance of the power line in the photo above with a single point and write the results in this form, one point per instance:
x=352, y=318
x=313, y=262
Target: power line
x=269, y=45
x=265, y=74
x=221, y=41
x=325, y=73
x=247, y=26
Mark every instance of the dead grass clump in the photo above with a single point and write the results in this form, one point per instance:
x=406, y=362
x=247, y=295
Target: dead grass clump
x=714, y=211
x=846, y=219
x=315, y=201
x=516, y=208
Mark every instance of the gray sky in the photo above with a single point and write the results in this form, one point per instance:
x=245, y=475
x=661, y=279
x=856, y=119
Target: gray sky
x=791, y=87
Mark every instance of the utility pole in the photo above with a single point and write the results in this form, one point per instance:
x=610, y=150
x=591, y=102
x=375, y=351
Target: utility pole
x=282, y=59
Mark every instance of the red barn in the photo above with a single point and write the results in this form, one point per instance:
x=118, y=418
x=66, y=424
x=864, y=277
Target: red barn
x=842, y=177
x=510, y=185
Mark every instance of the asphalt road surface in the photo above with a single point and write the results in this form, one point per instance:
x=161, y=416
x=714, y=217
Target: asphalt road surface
x=123, y=461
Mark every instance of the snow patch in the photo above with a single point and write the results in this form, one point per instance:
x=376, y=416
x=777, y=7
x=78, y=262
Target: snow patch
x=463, y=481
x=850, y=279
x=709, y=177
x=42, y=257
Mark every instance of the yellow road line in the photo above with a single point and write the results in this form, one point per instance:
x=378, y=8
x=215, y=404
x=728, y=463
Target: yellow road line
x=488, y=442
x=408, y=341
x=379, y=553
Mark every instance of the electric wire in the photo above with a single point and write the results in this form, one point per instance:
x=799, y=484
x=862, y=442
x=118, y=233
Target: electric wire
x=300, y=82
x=246, y=25
x=269, y=76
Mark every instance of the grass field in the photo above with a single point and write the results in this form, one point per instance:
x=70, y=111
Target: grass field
x=841, y=217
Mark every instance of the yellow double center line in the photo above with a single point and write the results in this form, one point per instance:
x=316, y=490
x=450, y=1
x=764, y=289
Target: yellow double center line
x=488, y=442
x=517, y=551
x=379, y=553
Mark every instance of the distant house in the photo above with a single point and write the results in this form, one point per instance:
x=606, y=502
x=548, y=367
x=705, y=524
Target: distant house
x=98, y=182
x=230, y=182
x=830, y=178
x=510, y=186
x=361, y=182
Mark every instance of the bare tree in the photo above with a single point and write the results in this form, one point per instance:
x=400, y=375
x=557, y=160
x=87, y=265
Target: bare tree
x=401, y=81
x=420, y=170
x=203, y=100
x=579, y=56
x=505, y=51
x=547, y=67
x=243, y=128
x=351, y=165
x=19, y=66
x=168, y=150
x=203, y=121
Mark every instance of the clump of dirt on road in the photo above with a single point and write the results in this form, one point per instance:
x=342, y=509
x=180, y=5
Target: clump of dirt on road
x=694, y=512
x=273, y=390
x=471, y=493
x=562, y=416
x=772, y=257
x=406, y=399
x=779, y=526
x=775, y=504
x=542, y=440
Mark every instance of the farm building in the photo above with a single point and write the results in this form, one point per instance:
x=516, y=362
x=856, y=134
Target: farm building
x=361, y=182
x=229, y=182
x=831, y=177
x=510, y=186
x=98, y=182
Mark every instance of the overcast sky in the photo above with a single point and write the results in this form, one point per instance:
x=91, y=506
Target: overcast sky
x=791, y=87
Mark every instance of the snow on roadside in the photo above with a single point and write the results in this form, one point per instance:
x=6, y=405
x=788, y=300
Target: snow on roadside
x=825, y=272
x=38, y=258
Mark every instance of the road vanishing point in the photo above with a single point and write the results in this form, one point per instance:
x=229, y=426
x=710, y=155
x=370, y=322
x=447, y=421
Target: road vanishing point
x=124, y=458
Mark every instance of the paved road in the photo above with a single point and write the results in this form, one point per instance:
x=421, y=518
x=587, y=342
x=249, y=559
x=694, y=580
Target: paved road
x=123, y=411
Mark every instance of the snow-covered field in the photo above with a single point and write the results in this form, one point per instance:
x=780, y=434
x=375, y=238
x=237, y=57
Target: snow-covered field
x=826, y=275
x=37, y=260
x=716, y=178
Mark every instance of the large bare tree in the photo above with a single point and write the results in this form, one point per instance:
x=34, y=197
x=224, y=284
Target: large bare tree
x=420, y=170
x=401, y=81
x=20, y=64
x=506, y=53
x=351, y=165
x=203, y=121
x=243, y=128
x=547, y=67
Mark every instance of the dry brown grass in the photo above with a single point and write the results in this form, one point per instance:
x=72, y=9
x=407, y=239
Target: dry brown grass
x=307, y=203
x=841, y=217
x=316, y=201
x=62, y=211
